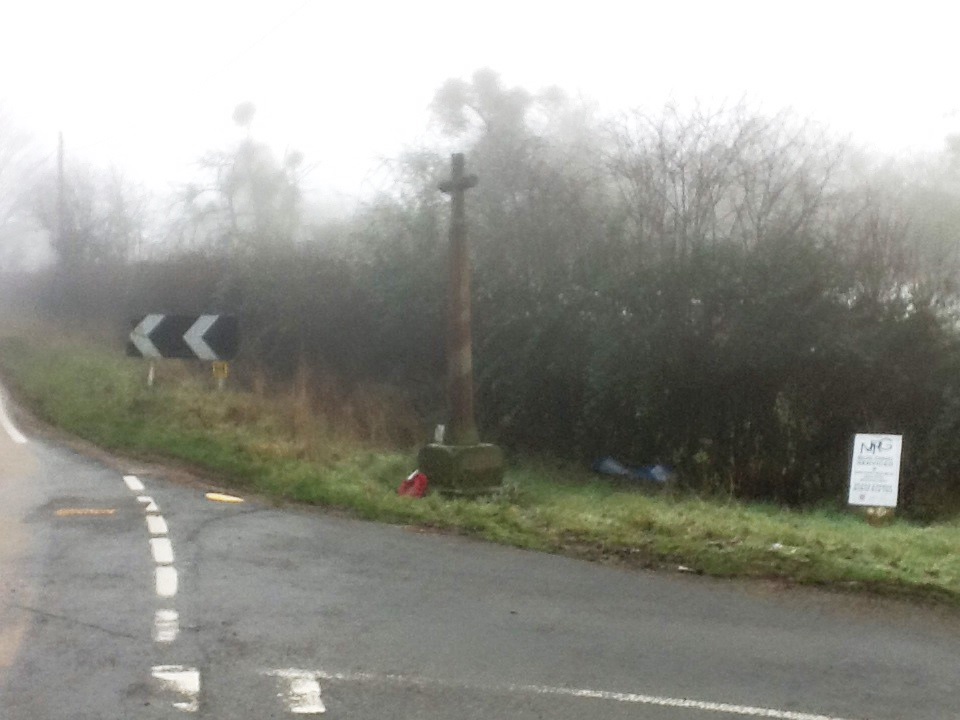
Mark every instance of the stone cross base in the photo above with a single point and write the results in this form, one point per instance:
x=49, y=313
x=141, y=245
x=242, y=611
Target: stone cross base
x=462, y=469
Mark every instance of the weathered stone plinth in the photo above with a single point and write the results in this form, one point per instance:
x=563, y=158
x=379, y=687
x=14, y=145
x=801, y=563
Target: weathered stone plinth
x=462, y=469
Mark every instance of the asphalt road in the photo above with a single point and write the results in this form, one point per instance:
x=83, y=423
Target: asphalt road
x=244, y=611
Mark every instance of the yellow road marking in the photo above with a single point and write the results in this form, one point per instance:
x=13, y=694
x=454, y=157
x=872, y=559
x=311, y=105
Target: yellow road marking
x=220, y=497
x=73, y=512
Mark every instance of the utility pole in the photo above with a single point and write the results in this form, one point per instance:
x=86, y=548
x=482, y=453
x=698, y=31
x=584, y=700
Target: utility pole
x=61, y=214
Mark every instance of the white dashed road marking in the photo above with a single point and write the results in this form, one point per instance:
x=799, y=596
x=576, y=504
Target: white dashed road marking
x=156, y=525
x=166, y=582
x=133, y=482
x=166, y=622
x=151, y=506
x=162, y=551
x=166, y=626
x=302, y=695
x=183, y=680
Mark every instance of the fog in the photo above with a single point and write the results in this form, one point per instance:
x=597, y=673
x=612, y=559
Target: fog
x=722, y=236
x=149, y=89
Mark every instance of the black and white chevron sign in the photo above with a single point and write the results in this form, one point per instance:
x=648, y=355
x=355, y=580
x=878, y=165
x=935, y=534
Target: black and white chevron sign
x=204, y=337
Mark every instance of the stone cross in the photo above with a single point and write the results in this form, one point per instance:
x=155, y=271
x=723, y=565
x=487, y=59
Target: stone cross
x=462, y=429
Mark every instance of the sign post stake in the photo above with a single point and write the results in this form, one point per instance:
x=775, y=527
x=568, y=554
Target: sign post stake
x=221, y=371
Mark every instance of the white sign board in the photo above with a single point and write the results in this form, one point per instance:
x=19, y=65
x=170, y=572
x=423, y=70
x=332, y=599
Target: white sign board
x=875, y=472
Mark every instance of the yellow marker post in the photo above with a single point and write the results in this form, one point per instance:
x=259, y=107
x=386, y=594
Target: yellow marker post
x=221, y=371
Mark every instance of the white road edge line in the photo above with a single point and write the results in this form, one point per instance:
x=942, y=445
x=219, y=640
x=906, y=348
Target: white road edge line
x=133, y=482
x=166, y=581
x=701, y=705
x=156, y=525
x=302, y=696
x=166, y=626
x=8, y=425
x=184, y=680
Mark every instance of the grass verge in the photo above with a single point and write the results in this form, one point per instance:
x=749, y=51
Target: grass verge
x=266, y=446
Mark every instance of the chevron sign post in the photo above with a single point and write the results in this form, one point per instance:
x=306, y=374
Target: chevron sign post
x=190, y=337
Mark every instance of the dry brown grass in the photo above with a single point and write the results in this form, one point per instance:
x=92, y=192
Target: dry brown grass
x=318, y=412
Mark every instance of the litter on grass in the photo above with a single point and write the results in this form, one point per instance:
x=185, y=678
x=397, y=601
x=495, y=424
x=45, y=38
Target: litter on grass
x=414, y=486
x=659, y=474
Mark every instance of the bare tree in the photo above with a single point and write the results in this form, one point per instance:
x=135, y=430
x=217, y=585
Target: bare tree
x=19, y=165
x=717, y=177
x=250, y=200
x=104, y=217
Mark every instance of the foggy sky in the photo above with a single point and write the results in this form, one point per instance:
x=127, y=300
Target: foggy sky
x=151, y=87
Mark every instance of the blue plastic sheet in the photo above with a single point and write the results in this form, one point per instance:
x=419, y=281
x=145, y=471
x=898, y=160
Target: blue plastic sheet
x=653, y=473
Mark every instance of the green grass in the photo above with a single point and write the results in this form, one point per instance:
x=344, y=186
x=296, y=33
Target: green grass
x=280, y=448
